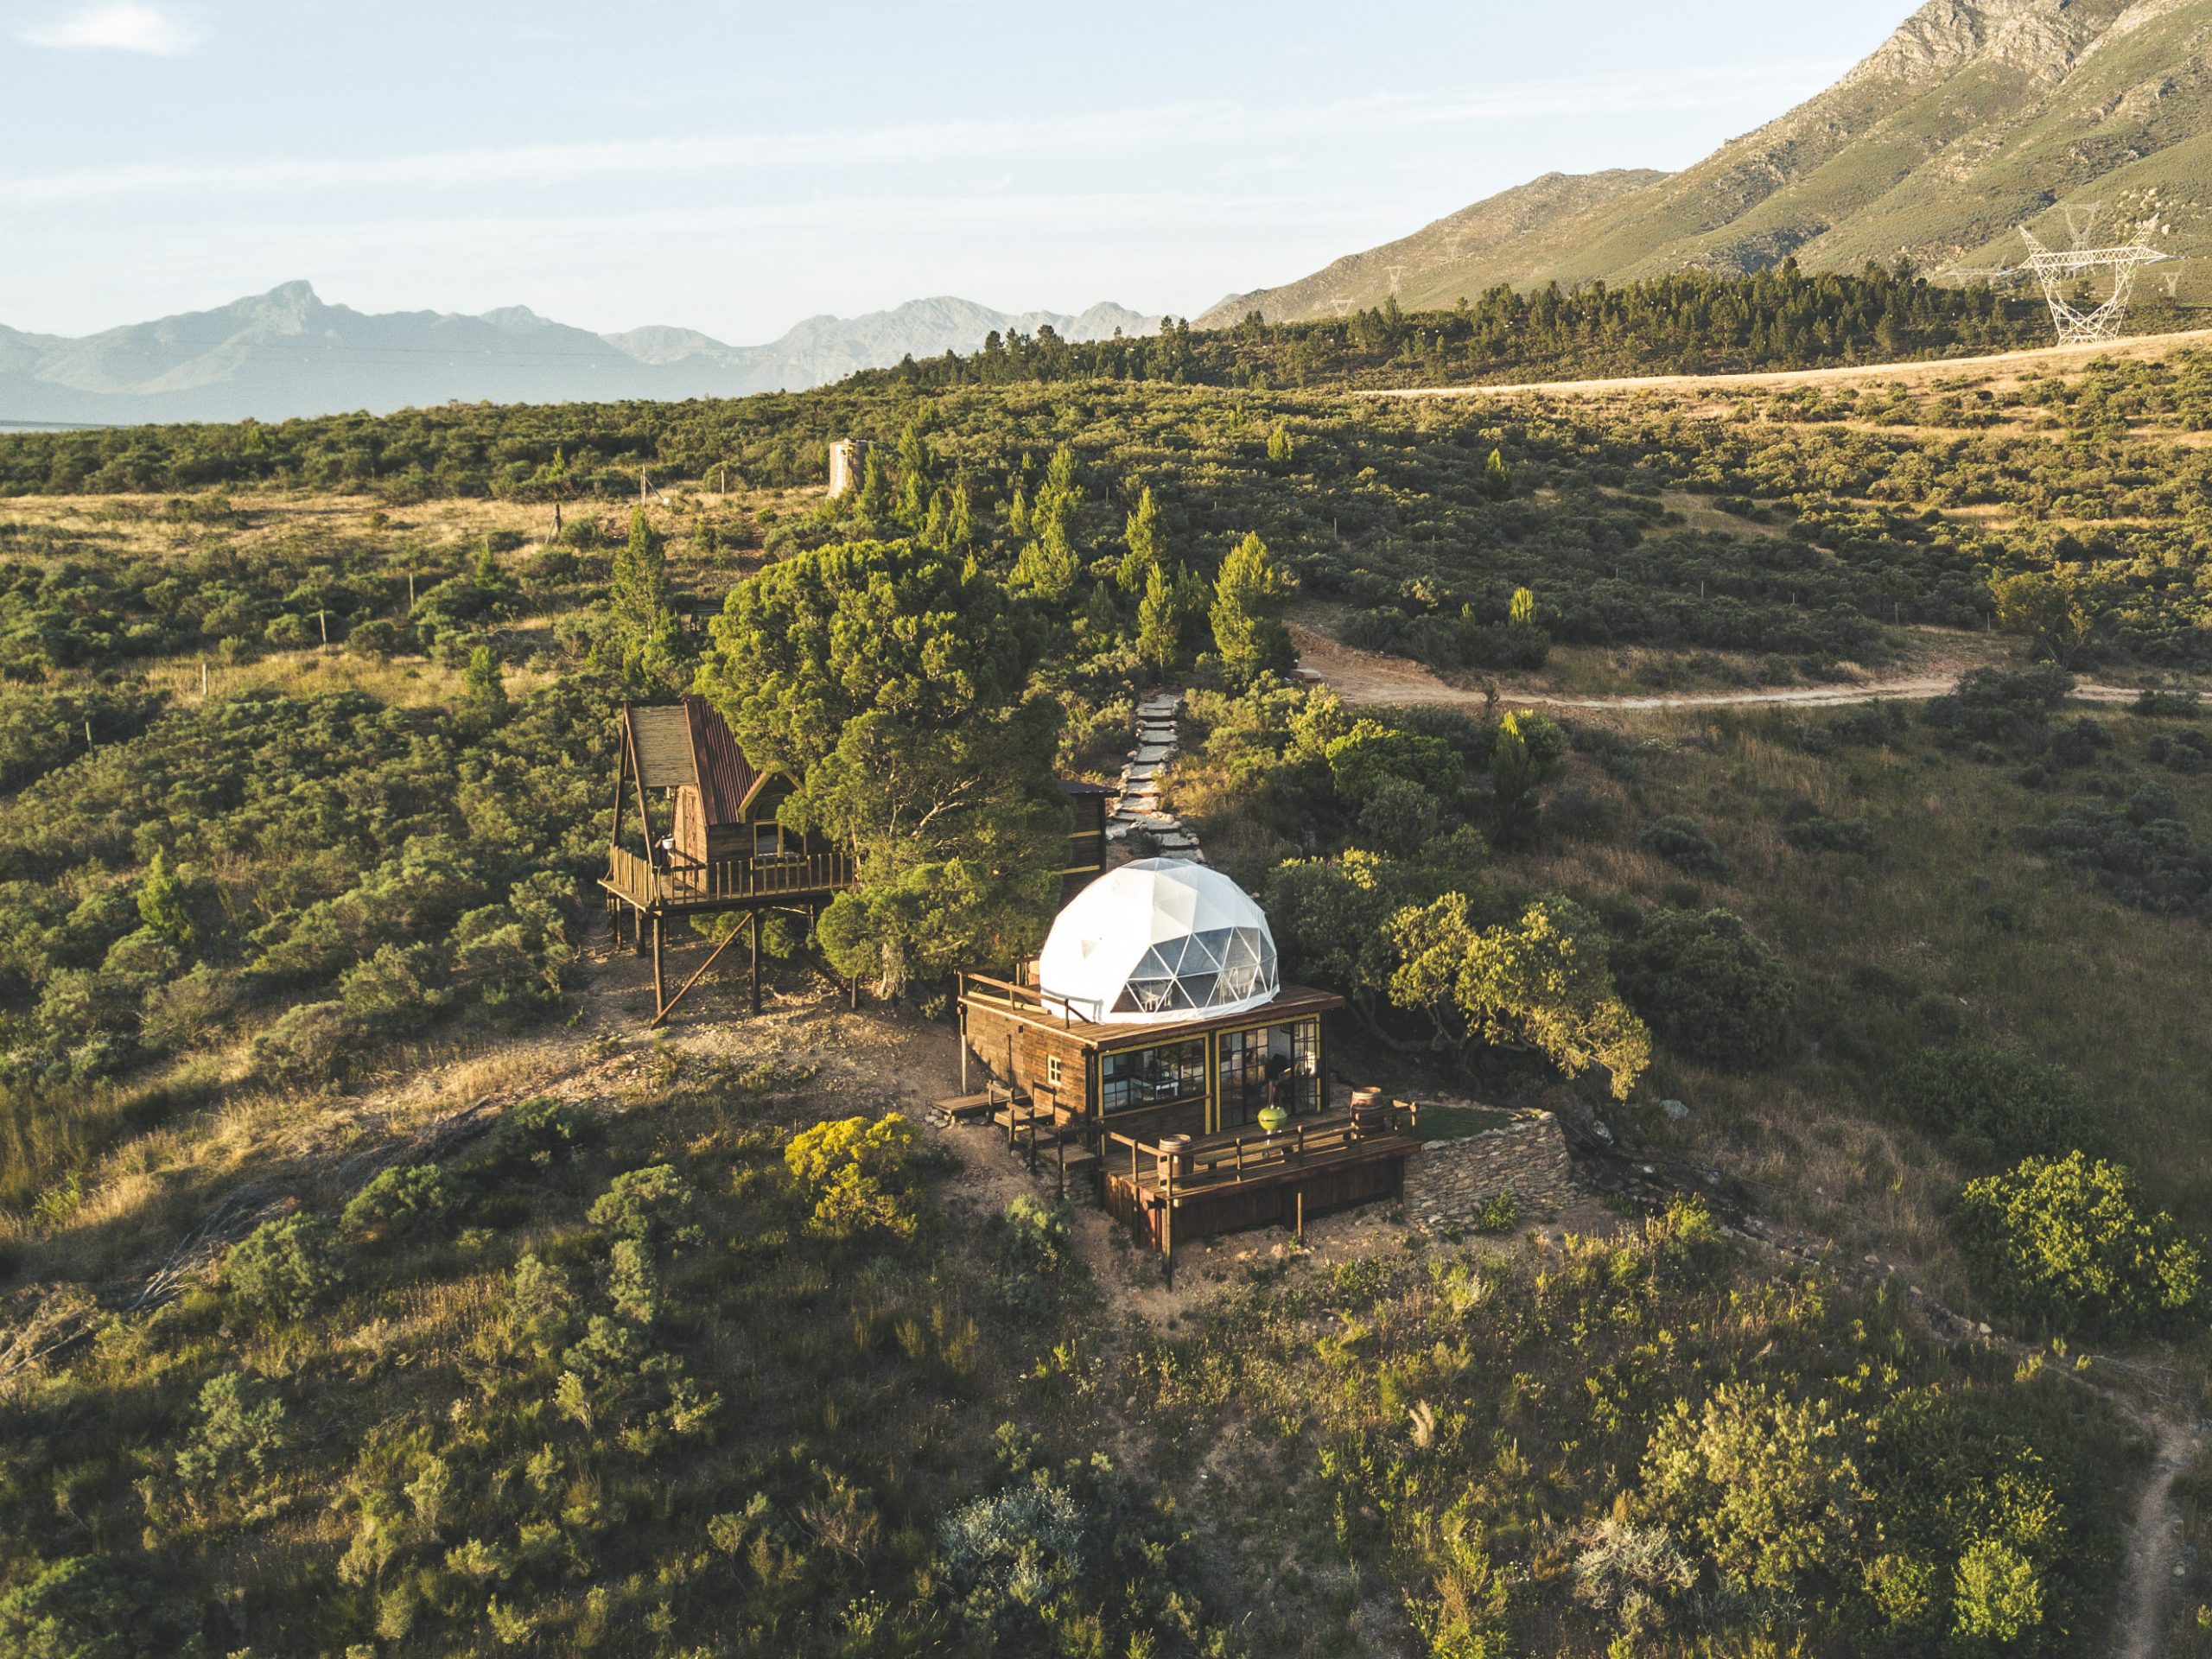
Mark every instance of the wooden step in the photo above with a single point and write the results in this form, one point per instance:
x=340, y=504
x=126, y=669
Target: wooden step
x=961, y=1109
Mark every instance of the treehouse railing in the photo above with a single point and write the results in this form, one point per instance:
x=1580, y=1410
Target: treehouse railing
x=724, y=880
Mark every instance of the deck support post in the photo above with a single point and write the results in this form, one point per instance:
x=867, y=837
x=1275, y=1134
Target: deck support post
x=752, y=927
x=1298, y=1232
x=660, y=985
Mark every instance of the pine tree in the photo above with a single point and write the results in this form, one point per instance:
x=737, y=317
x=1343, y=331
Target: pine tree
x=1498, y=478
x=1160, y=622
x=1101, y=618
x=482, y=690
x=1147, y=544
x=1279, y=446
x=637, y=600
x=164, y=902
x=1246, y=595
x=1523, y=612
x=874, y=498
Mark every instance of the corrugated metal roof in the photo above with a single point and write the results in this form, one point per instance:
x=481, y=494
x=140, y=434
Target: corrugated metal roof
x=726, y=778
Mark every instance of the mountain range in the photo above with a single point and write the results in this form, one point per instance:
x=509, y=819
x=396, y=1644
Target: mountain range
x=1974, y=117
x=286, y=353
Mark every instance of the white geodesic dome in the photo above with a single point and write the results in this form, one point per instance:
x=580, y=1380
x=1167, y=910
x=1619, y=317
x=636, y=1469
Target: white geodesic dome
x=1155, y=942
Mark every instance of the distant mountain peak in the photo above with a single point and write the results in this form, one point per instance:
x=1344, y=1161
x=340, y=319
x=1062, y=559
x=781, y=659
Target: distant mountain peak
x=286, y=353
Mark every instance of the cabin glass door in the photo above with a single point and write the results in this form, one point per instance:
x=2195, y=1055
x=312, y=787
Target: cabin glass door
x=1274, y=1066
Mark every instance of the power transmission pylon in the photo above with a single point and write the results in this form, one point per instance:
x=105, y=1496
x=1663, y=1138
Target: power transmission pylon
x=1396, y=271
x=2173, y=277
x=2077, y=325
x=1343, y=305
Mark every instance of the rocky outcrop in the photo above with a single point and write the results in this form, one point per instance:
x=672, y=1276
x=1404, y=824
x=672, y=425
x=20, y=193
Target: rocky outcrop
x=1448, y=1183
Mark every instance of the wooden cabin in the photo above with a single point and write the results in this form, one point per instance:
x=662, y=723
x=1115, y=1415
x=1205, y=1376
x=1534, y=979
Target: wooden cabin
x=696, y=832
x=1145, y=1043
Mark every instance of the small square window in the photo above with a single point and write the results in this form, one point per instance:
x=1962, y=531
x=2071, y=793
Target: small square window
x=1052, y=1071
x=766, y=841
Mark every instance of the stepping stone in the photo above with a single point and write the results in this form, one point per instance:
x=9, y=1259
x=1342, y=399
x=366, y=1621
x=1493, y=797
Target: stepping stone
x=1143, y=772
x=1150, y=754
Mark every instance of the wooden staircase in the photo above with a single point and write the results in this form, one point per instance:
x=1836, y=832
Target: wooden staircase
x=1051, y=1143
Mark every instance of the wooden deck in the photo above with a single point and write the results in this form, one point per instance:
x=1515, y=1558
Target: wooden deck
x=1247, y=1178
x=726, y=884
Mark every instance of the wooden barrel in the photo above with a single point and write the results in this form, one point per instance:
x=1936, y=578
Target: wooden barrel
x=1175, y=1157
x=1370, y=1113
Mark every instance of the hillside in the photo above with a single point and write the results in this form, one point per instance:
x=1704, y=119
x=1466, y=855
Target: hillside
x=286, y=353
x=1975, y=116
x=1469, y=235
x=372, y=1279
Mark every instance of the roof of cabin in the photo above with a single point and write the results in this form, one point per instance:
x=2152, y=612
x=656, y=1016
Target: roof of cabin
x=688, y=743
x=726, y=778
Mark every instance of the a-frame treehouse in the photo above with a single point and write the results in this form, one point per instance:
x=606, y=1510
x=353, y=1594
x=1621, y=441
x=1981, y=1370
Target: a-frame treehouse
x=719, y=849
x=722, y=850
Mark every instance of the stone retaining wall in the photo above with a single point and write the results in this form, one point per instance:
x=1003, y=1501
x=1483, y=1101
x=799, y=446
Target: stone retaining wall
x=1448, y=1182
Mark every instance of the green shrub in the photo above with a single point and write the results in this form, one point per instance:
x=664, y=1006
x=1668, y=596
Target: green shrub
x=540, y=1131
x=402, y=1200
x=1708, y=986
x=1819, y=835
x=1684, y=843
x=1995, y=1105
x=2063, y=1244
x=89, y=1607
x=1765, y=1485
x=240, y=1433
x=647, y=1204
x=283, y=1267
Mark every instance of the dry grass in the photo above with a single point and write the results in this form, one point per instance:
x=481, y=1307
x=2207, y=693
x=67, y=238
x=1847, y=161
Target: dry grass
x=2112, y=994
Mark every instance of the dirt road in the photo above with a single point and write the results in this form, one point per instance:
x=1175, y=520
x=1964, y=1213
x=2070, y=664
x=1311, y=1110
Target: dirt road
x=1367, y=677
x=1999, y=363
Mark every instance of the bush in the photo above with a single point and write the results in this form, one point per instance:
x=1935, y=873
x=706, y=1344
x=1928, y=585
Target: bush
x=240, y=1433
x=1818, y=835
x=283, y=1267
x=1708, y=986
x=1994, y=1104
x=1684, y=843
x=313, y=1042
x=2000, y=707
x=378, y=637
x=88, y=1607
x=402, y=1200
x=539, y=1130
x=1766, y=1485
x=2063, y=1244
x=853, y=1173
x=645, y=1204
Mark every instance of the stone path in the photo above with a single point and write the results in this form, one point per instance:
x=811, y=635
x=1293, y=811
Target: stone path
x=1137, y=805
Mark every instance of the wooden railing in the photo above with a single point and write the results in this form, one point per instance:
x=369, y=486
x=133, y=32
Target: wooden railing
x=1216, y=1160
x=727, y=878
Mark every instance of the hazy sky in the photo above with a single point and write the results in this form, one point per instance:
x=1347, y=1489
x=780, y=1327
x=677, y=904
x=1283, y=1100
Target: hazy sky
x=736, y=167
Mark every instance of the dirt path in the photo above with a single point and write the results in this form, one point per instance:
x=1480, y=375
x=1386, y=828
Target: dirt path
x=1367, y=677
x=2045, y=357
x=2154, y=1558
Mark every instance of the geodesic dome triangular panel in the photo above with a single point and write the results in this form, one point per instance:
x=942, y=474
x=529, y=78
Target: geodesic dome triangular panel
x=1159, y=940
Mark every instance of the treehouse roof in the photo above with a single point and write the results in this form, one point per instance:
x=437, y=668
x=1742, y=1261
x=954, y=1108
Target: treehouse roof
x=688, y=744
x=1156, y=943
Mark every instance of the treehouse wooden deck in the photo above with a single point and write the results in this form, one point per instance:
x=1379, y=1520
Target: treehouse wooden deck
x=1176, y=1191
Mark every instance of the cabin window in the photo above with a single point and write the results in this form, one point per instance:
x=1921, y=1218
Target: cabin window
x=1152, y=1076
x=767, y=839
x=1053, y=1069
x=1275, y=1065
